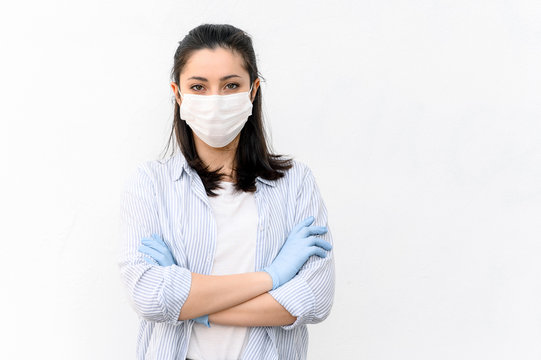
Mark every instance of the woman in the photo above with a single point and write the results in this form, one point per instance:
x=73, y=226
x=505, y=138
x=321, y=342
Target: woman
x=220, y=255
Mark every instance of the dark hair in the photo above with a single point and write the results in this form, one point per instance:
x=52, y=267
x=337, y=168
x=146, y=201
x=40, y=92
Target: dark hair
x=252, y=157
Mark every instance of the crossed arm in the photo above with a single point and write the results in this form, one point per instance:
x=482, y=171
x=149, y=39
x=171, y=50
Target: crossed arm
x=263, y=310
x=172, y=293
x=238, y=300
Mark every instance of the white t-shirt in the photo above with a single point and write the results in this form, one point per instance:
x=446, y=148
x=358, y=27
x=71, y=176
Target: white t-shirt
x=236, y=217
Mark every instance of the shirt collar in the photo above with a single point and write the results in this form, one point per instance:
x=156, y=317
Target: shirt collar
x=180, y=166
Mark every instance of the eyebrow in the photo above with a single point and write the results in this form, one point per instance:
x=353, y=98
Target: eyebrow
x=222, y=79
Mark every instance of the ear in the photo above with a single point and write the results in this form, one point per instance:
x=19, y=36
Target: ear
x=254, y=89
x=175, y=88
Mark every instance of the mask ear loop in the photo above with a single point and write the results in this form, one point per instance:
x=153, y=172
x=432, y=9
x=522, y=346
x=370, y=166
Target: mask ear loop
x=179, y=93
x=250, y=92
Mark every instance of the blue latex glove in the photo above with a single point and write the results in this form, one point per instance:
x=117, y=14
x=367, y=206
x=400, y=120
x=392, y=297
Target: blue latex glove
x=158, y=251
x=160, y=254
x=203, y=319
x=299, y=246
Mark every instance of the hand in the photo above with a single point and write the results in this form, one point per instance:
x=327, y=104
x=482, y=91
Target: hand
x=299, y=246
x=158, y=251
x=203, y=319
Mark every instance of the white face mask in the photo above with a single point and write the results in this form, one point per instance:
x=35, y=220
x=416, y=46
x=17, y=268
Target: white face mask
x=216, y=119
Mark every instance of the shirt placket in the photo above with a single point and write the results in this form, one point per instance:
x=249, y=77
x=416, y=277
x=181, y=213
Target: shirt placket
x=262, y=224
x=210, y=245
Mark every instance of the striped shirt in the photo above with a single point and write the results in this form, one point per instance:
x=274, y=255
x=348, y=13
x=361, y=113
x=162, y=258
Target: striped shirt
x=167, y=197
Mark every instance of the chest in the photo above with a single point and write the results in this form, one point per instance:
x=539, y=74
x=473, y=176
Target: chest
x=194, y=226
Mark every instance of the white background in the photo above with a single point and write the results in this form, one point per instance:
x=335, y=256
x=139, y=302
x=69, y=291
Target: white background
x=420, y=119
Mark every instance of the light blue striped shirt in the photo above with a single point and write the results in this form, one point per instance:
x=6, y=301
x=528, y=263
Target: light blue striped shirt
x=167, y=197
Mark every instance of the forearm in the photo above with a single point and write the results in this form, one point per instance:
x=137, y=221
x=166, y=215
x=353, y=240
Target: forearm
x=214, y=293
x=262, y=310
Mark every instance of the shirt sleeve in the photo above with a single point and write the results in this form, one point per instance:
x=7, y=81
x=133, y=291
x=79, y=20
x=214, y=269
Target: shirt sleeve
x=157, y=293
x=309, y=295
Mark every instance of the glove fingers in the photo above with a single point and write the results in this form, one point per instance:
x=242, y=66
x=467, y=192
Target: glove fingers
x=315, y=250
x=162, y=246
x=159, y=239
x=322, y=243
x=305, y=222
x=156, y=242
x=315, y=230
x=153, y=244
x=156, y=255
x=203, y=319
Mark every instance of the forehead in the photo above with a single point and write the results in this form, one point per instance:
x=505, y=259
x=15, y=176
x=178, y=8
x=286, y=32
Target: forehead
x=213, y=64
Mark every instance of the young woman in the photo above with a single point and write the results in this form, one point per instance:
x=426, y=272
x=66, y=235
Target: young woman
x=226, y=251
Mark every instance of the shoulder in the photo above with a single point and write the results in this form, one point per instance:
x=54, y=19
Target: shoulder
x=158, y=168
x=152, y=173
x=297, y=175
x=300, y=169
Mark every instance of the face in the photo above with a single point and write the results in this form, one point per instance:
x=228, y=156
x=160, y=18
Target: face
x=216, y=71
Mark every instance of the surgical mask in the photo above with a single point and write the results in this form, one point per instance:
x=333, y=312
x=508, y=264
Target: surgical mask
x=216, y=119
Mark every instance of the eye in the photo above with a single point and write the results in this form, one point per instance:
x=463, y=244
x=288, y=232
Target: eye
x=196, y=87
x=235, y=85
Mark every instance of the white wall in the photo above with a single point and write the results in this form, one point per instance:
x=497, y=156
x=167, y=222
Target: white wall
x=420, y=120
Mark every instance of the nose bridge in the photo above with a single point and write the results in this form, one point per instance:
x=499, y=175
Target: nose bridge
x=214, y=89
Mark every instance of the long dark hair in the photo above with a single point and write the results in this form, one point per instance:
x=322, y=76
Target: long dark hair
x=253, y=157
